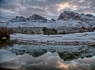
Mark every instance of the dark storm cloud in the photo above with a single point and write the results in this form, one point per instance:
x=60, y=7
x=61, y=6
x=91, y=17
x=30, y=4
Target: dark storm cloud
x=30, y=11
x=46, y=8
x=7, y=14
x=4, y=1
x=84, y=6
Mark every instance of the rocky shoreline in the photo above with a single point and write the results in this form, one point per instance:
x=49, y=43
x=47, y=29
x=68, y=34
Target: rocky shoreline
x=58, y=43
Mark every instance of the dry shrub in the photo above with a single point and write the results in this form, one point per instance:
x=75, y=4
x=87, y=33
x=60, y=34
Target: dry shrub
x=5, y=32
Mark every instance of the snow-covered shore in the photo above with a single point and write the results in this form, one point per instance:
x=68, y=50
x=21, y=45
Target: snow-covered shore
x=86, y=38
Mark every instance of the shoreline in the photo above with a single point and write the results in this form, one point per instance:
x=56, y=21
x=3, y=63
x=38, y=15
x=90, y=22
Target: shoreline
x=59, y=43
x=86, y=38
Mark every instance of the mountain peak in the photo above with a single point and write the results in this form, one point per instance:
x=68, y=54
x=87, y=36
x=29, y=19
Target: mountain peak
x=18, y=19
x=66, y=15
x=36, y=17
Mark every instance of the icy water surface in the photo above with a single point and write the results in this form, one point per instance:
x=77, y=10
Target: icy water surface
x=47, y=57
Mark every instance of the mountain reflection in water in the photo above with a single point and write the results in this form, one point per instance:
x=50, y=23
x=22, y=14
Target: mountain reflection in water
x=48, y=57
x=64, y=52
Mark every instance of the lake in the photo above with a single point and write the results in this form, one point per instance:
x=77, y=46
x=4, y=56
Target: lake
x=25, y=56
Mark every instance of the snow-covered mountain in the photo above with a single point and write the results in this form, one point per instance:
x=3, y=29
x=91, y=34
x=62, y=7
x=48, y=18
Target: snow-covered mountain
x=18, y=19
x=36, y=17
x=66, y=19
x=80, y=18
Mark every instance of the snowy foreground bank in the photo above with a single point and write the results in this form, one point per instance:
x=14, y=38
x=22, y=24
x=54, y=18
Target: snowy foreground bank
x=87, y=38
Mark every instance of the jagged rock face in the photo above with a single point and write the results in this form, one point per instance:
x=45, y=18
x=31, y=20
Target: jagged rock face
x=66, y=15
x=36, y=17
x=18, y=19
x=53, y=19
x=89, y=15
x=75, y=16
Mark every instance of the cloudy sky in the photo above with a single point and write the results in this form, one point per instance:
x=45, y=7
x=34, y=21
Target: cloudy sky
x=47, y=8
